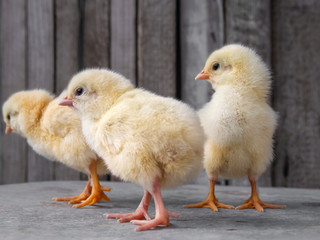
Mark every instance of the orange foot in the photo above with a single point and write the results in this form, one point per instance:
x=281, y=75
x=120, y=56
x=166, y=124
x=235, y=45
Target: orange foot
x=84, y=196
x=161, y=219
x=96, y=195
x=254, y=202
x=211, y=203
x=91, y=194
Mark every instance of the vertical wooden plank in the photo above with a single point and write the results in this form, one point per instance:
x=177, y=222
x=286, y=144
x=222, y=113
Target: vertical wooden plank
x=97, y=33
x=295, y=54
x=13, y=78
x=201, y=32
x=123, y=38
x=67, y=23
x=157, y=46
x=248, y=23
x=40, y=72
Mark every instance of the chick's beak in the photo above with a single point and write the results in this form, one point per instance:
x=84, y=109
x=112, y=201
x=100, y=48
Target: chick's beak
x=8, y=129
x=66, y=102
x=203, y=75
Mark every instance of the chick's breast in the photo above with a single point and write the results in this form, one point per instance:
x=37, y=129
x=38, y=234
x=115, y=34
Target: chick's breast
x=239, y=129
x=145, y=136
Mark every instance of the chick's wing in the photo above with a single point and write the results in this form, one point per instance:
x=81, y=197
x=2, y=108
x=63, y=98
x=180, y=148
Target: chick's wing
x=59, y=120
x=113, y=134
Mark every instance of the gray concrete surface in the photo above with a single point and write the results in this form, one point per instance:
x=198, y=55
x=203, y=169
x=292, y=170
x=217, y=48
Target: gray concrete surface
x=27, y=212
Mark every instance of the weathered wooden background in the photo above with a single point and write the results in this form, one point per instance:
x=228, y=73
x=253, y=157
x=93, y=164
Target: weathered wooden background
x=161, y=45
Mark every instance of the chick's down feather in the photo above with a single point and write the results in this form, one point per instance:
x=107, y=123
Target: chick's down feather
x=144, y=138
x=238, y=121
x=54, y=132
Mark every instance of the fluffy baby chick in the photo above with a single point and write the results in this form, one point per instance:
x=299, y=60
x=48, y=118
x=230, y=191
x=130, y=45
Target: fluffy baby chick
x=153, y=141
x=238, y=122
x=54, y=132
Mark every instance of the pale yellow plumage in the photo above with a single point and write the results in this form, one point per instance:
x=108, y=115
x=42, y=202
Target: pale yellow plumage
x=238, y=122
x=53, y=131
x=142, y=137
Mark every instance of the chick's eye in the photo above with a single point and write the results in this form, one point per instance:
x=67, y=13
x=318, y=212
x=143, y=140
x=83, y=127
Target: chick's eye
x=216, y=66
x=79, y=91
x=8, y=117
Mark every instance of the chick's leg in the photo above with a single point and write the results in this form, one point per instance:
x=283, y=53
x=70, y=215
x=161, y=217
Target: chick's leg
x=162, y=214
x=254, y=200
x=140, y=213
x=97, y=193
x=211, y=200
x=76, y=199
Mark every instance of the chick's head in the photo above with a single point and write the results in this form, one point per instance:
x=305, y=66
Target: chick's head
x=92, y=92
x=239, y=66
x=24, y=109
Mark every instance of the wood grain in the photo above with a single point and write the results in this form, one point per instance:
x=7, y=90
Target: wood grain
x=297, y=92
x=157, y=46
x=96, y=34
x=40, y=72
x=249, y=23
x=66, y=49
x=123, y=38
x=201, y=32
x=13, y=78
x=67, y=22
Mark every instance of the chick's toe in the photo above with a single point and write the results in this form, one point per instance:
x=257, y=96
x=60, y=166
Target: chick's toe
x=140, y=213
x=254, y=200
x=76, y=199
x=211, y=201
x=97, y=193
x=162, y=214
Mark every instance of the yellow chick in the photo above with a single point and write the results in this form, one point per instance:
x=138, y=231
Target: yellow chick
x=153, y=141
x=238, y=122
x=54, y=132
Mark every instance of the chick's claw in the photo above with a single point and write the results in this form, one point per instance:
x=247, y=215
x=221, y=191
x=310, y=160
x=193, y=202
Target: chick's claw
x=173, y=214
x=105, y=189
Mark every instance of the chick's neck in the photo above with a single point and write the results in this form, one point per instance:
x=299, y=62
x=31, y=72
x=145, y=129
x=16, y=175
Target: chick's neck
x=254, y=87
x=103, y=104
